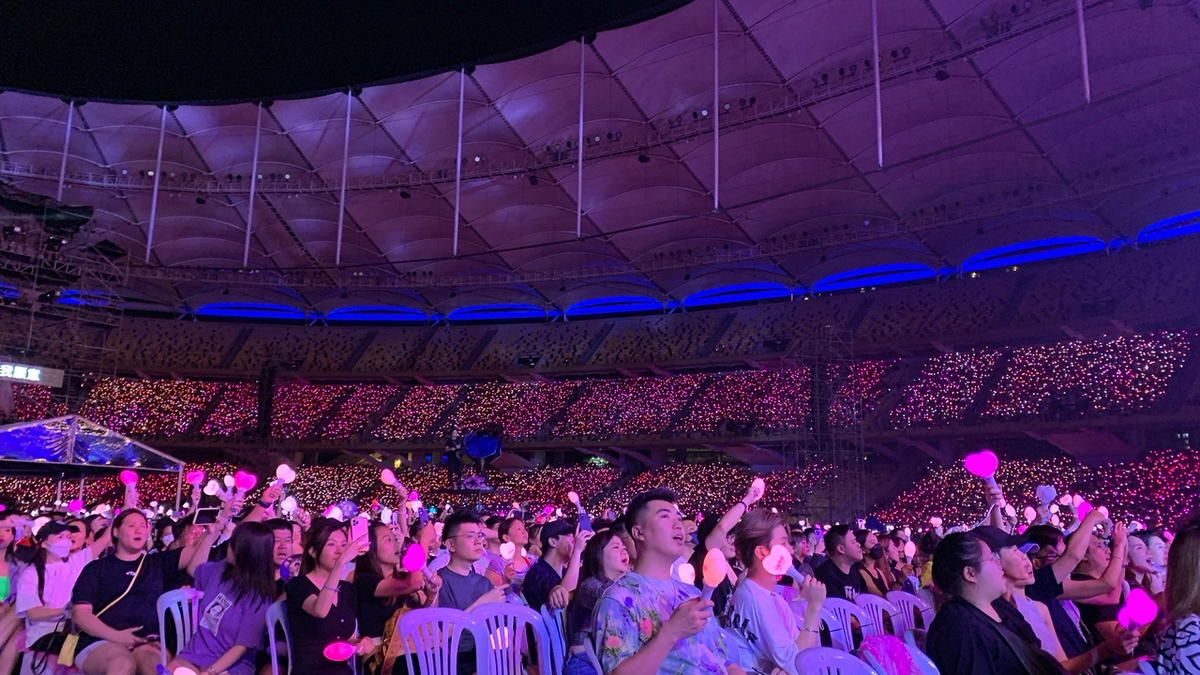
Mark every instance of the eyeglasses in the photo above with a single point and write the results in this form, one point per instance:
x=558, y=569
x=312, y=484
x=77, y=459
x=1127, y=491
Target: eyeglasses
x=477, y=536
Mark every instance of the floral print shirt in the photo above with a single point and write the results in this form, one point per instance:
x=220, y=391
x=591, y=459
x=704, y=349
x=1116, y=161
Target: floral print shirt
x=632, y=610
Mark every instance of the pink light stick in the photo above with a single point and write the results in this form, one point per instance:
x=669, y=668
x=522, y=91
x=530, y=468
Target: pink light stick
x=338, y=651
x=984, y=464
x=195, y=478
x=1139, y=610
x=245, y=481
x=129, y=478
x=714, y=571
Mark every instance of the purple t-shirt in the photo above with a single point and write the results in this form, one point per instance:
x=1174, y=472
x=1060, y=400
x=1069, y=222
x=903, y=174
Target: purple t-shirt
x=225, y=620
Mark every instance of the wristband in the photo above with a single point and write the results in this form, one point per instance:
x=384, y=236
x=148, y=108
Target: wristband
x=811, y=630
x=264, y=504
x=330, y=588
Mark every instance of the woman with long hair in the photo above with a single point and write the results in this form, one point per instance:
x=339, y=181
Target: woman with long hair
x=1179, y=648
x=876, y=573
x=1139, y=569
x=604, y=561
x=321, y=605
x=10, y=622
x=969, y=635
x=382, y=587
x=233, y=610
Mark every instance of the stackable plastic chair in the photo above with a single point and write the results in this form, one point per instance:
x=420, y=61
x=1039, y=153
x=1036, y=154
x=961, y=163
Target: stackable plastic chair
x=183, y=605
x=925, y=665
x=277, y=623
x=552, y=654
x=432, y=636
x=844, y=610
x=827, y=661
x=876, y=608
x=910, y=606
x=841, y=637
x=501, y=631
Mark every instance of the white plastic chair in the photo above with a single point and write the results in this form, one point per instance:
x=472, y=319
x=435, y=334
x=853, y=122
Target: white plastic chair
x=844, y=610
x=590, y=654
x=840, y=637
x=910, y=605
x=876, y=608
x=501, y=631
x=827, y=661
x=552, y=653
x=925, y=665
x=432, y=636
x=183, y=605
x=276, y=622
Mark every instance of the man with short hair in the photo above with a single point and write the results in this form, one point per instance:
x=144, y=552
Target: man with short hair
x=552, y=578
x=462, y=586
x=647, y=622
x=840, y=572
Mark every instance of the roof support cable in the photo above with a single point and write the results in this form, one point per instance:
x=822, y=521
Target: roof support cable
x=716, y=106
x=62, y=167
x=337, y=256
x=878, y=87
x=254, y=187
x=162, y=132
x=458, y=165
x=579, y=146
x=1083, y=52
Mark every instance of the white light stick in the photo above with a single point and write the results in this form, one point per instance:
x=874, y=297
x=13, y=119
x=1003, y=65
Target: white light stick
x=686, y=574
x=284, y=475
x=715, y=567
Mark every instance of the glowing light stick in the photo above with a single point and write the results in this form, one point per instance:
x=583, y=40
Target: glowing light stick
x=75, y=505
x=244, y=481
x=288, y=505
x=585, y=520
x=414, y=558
x=984, y=464
x=686, y=574
x=195, y=478
x=910, y=549
x=387, y=477
x=508, y=550
x=338, y=651
x=284, y=475
x=715, y=567
x=1082, y=509
x=183, y=670
x=129, y=478
x=1139, y=610
x=1030, y=514
x=936, y=521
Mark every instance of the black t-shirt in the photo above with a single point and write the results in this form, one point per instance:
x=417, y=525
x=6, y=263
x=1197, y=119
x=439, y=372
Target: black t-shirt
x=1091, y=614
x=105, y=579
x=373, y=612
x=539, y=581
x=838, y=585
x=312, y=633
x=1046, y=589
x=965, y=641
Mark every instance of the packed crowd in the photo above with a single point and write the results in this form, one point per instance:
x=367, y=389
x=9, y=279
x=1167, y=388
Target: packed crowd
x=644, y=584
x=1064, y=380
x=1121, y=286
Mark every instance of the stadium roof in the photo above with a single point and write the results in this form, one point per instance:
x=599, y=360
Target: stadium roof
x=988, y=141
x=77, y=445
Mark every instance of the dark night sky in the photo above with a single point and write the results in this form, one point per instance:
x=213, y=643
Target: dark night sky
x=220, y=51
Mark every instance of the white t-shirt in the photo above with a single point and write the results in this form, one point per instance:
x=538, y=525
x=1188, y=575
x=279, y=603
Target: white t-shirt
x=765, y=627
x=56, y=592
x=1038, y=617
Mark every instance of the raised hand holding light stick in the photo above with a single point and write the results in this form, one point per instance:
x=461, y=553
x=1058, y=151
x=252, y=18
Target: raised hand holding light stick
x=715, y=569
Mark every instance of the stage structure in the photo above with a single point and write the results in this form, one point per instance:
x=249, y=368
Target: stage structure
x=73, y=448
x=62, y=290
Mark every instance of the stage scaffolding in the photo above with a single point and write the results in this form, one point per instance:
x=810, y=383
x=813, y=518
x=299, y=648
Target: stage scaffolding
x=59, y=303
x=839, y=442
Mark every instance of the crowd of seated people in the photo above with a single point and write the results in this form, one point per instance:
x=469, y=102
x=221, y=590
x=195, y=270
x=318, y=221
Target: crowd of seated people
x=1054, y=381
x=647, y=584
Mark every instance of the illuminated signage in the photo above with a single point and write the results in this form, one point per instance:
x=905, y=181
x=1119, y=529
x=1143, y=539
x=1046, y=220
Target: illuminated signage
x=16, y=372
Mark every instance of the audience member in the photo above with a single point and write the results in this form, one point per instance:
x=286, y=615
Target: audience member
x=1179, y=648
x=840, y=572
x=321, y=604
x=604, y=561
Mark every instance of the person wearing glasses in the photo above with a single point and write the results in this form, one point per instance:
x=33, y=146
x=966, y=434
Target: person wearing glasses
x=463, y=587
x=969, y=636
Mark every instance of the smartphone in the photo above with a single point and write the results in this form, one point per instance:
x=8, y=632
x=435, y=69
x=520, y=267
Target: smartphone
x=359, y=528
x=207, y=516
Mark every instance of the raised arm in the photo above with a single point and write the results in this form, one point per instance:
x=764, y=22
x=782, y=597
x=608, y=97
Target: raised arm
x=196, y=555
x=1076, y=548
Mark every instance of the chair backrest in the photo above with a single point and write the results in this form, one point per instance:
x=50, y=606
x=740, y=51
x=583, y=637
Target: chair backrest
x=183, y=605
x=431, y=636
x=553, y=644
x=827, y=661
x=501, y=631
x=277, y=623
x=839, y=637
x=876, y=608
x=910, y=607
x=924, y=665
x=844, y=610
